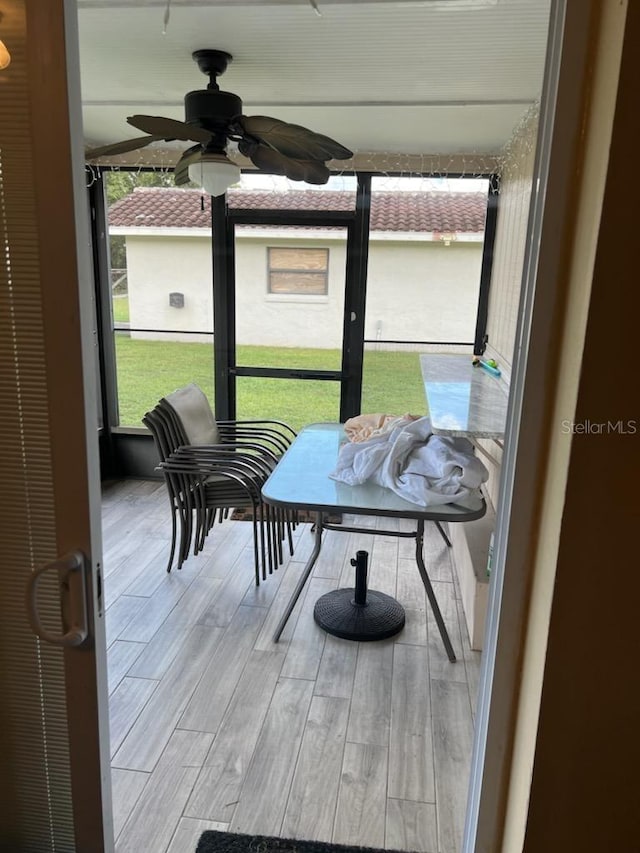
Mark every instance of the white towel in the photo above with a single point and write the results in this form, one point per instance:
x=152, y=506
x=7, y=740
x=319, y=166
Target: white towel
x=364, y=427
x=417, y=465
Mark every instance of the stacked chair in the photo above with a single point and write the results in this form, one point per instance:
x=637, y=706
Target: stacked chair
x=212, y=467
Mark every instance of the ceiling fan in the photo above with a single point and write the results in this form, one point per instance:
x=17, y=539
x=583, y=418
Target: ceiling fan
x=213, y=118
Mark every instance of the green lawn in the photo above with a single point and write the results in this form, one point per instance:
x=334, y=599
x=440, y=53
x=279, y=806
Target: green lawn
x=147, y=370
x=120, y=309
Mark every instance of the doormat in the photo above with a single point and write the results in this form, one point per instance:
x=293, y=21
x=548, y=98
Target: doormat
x=304, y=516
x=212, y=841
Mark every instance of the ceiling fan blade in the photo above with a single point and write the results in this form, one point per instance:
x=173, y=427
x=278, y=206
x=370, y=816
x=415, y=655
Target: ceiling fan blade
x=315, y=172
x=275, y=163
x=169, y=128
x=181, y=171
x=264, y=158
x=121, y=147
x=292, y=140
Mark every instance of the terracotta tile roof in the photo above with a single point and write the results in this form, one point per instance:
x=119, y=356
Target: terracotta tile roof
x=390, y=211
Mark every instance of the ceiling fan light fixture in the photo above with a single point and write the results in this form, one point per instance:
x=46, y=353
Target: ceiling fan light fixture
x=5, y=56
x=215, y=173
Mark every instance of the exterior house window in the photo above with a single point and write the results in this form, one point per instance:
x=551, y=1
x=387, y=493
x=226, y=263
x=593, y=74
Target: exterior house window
x=298, y=271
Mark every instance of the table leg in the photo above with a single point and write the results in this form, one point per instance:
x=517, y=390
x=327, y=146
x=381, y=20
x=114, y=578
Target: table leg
x=443, y=534
x=303, y=578
x=430, y=593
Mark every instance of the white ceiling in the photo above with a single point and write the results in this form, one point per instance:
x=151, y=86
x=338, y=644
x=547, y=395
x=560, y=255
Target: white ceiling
x=403, y=76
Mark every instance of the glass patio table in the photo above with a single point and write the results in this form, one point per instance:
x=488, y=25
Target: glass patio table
x=301, y=481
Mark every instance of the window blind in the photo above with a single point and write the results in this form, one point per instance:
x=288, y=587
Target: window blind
x=36, y=791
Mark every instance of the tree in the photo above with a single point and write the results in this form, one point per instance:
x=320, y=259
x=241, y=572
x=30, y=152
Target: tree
x=118, y=184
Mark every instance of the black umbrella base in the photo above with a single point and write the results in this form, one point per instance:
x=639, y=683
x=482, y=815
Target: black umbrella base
x=381, y=616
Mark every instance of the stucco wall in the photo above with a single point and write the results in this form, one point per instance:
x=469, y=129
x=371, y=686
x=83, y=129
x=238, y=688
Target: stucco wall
x=423, y=291
x=281, y=319
x=159, y=266
x=417, y=290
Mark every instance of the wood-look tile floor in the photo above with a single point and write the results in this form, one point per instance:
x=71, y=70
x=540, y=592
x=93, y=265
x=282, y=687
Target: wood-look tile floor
x=213, y=726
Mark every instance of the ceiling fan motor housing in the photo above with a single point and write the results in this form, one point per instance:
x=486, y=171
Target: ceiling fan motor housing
x=211, y=108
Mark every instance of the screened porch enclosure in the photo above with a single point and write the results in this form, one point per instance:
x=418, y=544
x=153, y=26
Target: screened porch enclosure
x=304, y=315
x=314, y=327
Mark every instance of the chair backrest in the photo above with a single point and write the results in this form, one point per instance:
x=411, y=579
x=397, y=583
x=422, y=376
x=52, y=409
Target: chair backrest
x=162, y=427
x=168, y=438
x=194, y=413
x=154, y=424
x=178, y=420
